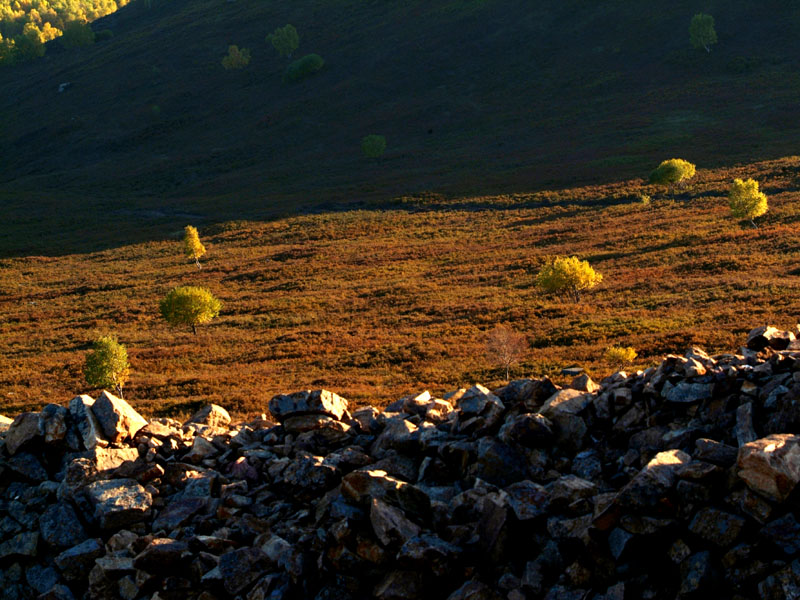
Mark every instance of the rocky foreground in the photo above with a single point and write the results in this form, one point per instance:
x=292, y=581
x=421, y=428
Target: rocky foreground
x=676, y=482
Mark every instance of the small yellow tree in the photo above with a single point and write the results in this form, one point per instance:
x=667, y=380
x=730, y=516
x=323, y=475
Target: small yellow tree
x=192, y=245
x=701, y=32
x=236, y=58
x=505, y=347
x=619, y=356
x=568, y=276
x=672, y=171
x=189, y=305
x=746, y=201
x=107, y=364
x=285, y=40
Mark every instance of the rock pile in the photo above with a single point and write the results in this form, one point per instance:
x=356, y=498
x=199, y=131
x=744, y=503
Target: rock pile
x=676, y=482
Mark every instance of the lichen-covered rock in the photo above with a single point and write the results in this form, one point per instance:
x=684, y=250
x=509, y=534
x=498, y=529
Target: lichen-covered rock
x=117, y=419
x=24, y=429
x=119, y=502
x=771, y=465
x=80, y=410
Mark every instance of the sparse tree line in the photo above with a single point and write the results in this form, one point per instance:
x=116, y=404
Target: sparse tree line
x=107, y=365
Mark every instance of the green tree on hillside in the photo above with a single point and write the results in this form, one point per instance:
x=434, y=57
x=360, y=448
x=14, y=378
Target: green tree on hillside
x=189, y=305
x=285, y=40
x=192, y=246
x=107, y=364
x=701, y=32
x=237, y=58
x=373, y=146
x=746, y=201
x=568, y=276
x=673, y=171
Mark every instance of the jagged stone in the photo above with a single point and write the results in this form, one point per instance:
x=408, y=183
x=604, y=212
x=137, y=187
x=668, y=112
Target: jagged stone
x=117, y=419
x=771, y=465
x=400, y=585
x=24, y=429
x=390, y=524
x=364, y=485
x=60, y=526
x=474, y=590
x=75, y=562
x=119, y=502
x=160, y=555
x=212, y=415
x=717, y=527
x=241, y=568
x=21, y=545
x=568, y=400
x=27, y=466
x=687, y=392
x=53, y=423
x=768, y=336
x=321, y=402
x=5, y=423
x=80, y=410
x=429, y=552
x=532, y=430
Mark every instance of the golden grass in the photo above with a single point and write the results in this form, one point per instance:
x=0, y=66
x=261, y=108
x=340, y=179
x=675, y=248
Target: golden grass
x=378, y=304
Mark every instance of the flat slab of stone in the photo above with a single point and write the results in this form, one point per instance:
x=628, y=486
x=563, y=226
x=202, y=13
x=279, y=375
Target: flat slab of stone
x=118, y=420
x=119, y=502
x=322, y=402
x=770, y=466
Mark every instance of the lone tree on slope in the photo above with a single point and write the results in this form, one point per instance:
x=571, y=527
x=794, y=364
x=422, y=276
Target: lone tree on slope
x=568, y=276
x=505, y=347
x=107, y=364
x=673, y=171
x=189, y=305
x=746, y=201
x=701, y=32
x=285, y=40
x=192, y=245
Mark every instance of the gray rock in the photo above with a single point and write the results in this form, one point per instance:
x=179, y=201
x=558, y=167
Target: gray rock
x=474, y=590
x=532, y=430
x=390, y=524
x=76, y=562
x=212, y=415
x=119, y=502
x=241, y=568
x=653, y=482
x=320, y=402
x=696, y=574
x=117, y=419
x=365, y=484
x=42, y=579
x=400, y=585
x=178, y=513
x=60, y=526
x=161, y=555
x=783, y=533
x=476, y=400
x=499, y=463
x=21, y=545
x=53, y=423
x=22, y=431
x=429, y=551
x=528, y=500
x=80, y=410
x=771, y=466
x=717, y=527
x=686, y=392
x=568, y=401
x=27, y=466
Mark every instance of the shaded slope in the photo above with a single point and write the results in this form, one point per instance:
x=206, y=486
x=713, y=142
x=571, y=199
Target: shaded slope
x=472, y=96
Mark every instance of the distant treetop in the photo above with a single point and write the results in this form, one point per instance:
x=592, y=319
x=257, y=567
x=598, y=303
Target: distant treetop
x=285, y=40
x=674, y=170
x=701, y=32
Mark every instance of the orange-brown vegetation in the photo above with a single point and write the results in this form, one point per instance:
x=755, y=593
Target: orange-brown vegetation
x=377, y=304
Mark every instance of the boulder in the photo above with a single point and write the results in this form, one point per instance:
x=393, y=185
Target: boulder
x=212, y=415
x=24, y=429
x=60, y=526
x=53, y=423
x=118, y=502
x=80, y=410
x=320, y=402
x=770, y=466
x=117, y=419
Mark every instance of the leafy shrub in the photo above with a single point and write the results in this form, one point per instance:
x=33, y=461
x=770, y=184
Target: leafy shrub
x=236, y=58
x=304, y=67
x=619, y=356
x=373, y=146
x=674, y=170
x=568, y=276
x=285, y=40
x=189, y=305
x=107, y=364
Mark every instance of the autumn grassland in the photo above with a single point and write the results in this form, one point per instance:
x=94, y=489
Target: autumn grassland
x=375, y=304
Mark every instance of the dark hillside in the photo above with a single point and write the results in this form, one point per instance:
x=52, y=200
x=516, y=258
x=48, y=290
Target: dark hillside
x=473, y=97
